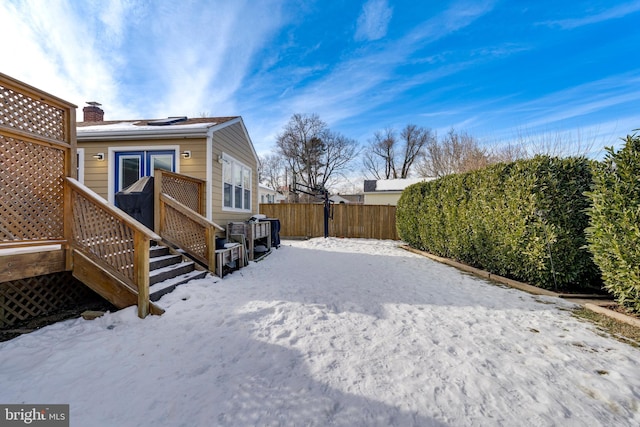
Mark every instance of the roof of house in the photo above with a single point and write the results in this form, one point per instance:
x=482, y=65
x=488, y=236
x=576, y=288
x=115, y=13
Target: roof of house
x=265, y=188
x=151, y=128
x=391, y=185
x=171, y=121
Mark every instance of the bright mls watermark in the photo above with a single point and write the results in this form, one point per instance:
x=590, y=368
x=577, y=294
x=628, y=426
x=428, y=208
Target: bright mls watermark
x=34, y=415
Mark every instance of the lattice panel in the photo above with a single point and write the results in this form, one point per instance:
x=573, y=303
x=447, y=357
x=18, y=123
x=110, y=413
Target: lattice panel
x=103, y=236
x=22, y=112
x=187, y=233
x=184, y=191
x=31, y=191
x=36, y=296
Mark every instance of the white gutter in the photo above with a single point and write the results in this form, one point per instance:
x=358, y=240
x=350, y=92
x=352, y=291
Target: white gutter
x=141, y=133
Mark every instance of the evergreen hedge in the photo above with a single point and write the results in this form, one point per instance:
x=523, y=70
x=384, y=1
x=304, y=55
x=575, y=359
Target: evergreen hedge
x=508, y=219
x=614, y=235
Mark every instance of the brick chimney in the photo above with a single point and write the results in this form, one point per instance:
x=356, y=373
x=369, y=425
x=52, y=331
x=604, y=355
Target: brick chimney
x=93, y=112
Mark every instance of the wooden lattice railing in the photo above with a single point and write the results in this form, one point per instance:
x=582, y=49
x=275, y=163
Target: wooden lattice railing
x=37, y=139
x=33, y=112
x=178, y=216
x=110, y=238
x=185, y=189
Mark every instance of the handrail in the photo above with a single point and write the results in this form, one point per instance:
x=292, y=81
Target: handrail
x=187, y=211
x=104, y=205
x=110, y=237
x=12, y=132
x=34, y=93
x=188, y=230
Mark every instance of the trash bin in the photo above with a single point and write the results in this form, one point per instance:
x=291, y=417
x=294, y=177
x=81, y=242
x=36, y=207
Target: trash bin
x=275, y=231
x=137, y=201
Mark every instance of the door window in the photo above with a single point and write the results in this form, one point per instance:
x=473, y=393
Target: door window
x=133, y=165
x=130, y=168
x=160, y=160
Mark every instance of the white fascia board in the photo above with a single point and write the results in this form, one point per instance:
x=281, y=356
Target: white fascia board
x=114, y=135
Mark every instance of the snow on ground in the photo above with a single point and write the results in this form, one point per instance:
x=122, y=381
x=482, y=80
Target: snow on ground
x=332, y=332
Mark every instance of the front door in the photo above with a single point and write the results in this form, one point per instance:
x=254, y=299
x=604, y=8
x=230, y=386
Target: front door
x=133, y=165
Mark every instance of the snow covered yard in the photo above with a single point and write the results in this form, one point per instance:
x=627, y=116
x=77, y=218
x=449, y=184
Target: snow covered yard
x=332, y=332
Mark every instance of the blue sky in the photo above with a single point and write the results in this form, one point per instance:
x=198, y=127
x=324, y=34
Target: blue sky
x=498, y=70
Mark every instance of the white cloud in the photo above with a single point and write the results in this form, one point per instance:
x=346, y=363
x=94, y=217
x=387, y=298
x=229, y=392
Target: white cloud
x=373, y=21
x=56, y=47
x=618, y=11
x=362, y=82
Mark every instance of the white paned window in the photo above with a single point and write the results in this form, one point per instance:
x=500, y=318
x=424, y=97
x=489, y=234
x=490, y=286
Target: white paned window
x=236, y=178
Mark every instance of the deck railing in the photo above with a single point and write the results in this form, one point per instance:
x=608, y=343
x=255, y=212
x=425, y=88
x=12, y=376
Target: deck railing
x=111, y=239
x=185, y=189
x=37, y=139
x=179, y=216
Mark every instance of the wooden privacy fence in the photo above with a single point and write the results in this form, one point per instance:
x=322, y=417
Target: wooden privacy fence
x=353, y=221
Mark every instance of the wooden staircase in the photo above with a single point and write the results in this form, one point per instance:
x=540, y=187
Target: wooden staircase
x=168, y=270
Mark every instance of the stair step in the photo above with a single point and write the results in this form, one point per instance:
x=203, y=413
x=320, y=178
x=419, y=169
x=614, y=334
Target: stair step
x=164, y=260
x=170, y=271
x=159, y=250
x=159, y=289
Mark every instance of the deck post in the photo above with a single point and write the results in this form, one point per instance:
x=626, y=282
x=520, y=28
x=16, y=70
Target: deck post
x=67, y=210
x=141, y=246
x=157, y=190
x=210, y=238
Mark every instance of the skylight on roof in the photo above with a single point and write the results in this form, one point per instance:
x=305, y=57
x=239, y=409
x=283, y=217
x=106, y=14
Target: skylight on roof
x=168, y=121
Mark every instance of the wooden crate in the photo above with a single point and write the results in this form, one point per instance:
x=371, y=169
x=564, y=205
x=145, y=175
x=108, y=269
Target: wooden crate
x=252, y=232
x=227, y=255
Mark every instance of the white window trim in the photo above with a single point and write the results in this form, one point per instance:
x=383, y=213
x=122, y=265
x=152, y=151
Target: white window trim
x=229, y=159
x=80, y=153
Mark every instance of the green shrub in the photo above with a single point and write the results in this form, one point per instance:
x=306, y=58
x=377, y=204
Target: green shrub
x=523, y=220
x=614, y=234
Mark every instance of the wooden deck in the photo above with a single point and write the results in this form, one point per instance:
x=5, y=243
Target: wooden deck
x=51, y=223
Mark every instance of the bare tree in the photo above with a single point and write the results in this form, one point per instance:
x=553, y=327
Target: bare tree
x=380, y=155
x=415, y=139
x=389, y=157
x=558, y=143
x=313, y=153
x=454, y=153
x=561, y=144
x=507, y=153
x=272, y=171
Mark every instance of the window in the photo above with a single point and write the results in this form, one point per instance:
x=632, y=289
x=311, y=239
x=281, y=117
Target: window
x=236, y=178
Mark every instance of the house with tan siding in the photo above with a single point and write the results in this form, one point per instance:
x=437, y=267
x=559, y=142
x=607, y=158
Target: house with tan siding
x=114, y=154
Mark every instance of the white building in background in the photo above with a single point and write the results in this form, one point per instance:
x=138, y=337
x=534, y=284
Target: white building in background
x=387, y=191
x=269, y=195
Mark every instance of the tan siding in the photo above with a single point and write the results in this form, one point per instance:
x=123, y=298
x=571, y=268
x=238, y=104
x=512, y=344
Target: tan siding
x=390, y=198
x=233, y=142
x=96, y=173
